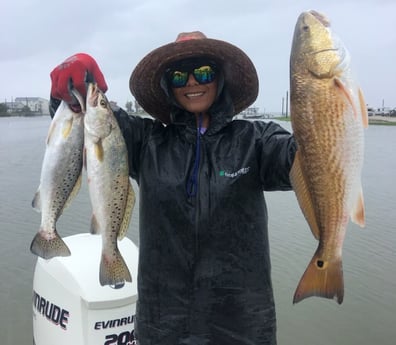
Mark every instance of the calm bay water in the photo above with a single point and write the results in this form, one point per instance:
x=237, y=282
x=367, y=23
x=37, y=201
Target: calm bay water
x=367, y=315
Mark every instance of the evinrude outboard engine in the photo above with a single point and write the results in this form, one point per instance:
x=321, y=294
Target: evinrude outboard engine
x=71, y=307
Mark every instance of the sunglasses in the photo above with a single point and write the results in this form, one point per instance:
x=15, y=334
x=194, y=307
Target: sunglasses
x=204, y=73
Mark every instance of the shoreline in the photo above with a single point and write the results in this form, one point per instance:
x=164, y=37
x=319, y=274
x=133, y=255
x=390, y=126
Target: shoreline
x=382, y=120
x=373, y=120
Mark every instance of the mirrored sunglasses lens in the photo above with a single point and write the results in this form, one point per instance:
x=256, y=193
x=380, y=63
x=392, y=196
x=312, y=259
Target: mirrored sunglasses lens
x=204, y=74
x=179, y=79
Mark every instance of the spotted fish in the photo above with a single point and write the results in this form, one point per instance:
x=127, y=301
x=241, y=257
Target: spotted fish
x=111, y=193
x=60, y=178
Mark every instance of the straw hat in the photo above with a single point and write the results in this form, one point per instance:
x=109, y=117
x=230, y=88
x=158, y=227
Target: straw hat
x=239, y=72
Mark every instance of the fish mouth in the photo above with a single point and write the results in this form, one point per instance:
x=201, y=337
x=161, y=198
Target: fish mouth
x=324, y=51
x=79, y=105
x=92, y=95
x=320, y=17
x=76, y=108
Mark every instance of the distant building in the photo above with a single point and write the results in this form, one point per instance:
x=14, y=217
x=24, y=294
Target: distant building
x=37, y=105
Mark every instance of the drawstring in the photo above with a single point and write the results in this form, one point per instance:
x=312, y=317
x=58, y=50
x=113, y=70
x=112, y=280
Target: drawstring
x=192, y=185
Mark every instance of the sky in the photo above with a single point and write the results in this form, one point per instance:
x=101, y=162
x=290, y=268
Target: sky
x=37, y=35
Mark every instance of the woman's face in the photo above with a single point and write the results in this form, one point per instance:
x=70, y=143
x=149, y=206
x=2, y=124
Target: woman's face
x=194, y=96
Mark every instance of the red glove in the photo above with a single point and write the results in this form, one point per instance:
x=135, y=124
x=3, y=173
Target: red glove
x=74, y=69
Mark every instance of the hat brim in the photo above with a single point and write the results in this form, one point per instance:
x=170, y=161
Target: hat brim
x=240, y=75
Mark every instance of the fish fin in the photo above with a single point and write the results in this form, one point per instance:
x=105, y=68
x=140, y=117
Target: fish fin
x=113, y=270
x=36, y=202
x=303, y=195
x=128, y=212
x=321, y=279
x=99, y=151
x=48, y=246
x=85, y=158
x=67, y=127
x=50, y=132
x=347, y=94
x=363, y=109
x=358, y=214
x=95, y=228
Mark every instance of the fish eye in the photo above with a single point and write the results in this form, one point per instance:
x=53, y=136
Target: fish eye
x=305, y=28
x=102, y=102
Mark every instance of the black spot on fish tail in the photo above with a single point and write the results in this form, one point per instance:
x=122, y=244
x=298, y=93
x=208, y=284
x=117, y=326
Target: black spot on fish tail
x=322, y=278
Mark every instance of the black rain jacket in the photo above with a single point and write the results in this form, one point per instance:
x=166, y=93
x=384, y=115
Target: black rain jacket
x=204, y=264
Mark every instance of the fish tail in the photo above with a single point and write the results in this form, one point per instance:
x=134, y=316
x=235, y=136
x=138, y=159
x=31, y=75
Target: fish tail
x=113, y=270
x=323, y=279
x=48, y=246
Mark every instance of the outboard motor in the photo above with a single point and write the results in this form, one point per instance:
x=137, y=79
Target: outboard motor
x=71, y=307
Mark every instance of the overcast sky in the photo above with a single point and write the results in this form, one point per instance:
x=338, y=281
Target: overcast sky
x=36, y=35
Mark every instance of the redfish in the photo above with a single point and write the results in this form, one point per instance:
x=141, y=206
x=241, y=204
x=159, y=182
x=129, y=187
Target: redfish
x=328, y=116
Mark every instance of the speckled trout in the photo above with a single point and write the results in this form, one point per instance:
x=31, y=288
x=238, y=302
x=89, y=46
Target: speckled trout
x=60, y=178
x=328, y=115
x=110, y=190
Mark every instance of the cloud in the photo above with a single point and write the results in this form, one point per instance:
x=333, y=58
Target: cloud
x=39, y=34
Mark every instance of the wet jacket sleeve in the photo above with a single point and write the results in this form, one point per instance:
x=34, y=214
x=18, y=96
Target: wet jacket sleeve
x=135, y=130
x=276, y=149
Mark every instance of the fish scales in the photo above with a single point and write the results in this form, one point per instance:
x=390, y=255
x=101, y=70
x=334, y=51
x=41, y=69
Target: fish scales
x=60, y=179
x=110, y=189
x=328, y=115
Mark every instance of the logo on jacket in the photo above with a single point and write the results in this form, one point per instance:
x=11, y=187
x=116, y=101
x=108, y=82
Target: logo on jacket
x=242, y=171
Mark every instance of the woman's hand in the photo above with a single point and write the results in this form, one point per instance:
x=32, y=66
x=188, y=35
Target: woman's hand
x=72, y=73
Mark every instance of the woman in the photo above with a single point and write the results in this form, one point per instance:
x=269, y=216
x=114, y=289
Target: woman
x=204, y=265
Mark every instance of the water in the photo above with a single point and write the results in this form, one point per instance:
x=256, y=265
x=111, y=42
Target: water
x=367, y=315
